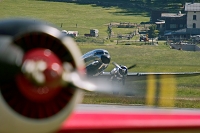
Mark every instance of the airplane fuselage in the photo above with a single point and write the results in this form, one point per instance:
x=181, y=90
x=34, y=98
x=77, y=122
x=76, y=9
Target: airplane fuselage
x=96, y=61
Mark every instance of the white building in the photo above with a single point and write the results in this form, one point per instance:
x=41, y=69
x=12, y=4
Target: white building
x=193, y=14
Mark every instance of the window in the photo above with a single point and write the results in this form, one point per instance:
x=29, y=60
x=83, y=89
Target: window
x=194, y=25
x=173, y=26
x=194, y=17
x=99, y=53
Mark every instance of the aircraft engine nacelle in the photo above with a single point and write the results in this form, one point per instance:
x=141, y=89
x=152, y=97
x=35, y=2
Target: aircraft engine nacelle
x=25, y=107
x=119, y=73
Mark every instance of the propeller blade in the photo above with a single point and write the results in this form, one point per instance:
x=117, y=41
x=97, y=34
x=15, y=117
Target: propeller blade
x=123, y=80
x=130, y=67
x=70, y=77
x=100, y=85
x=108, y=87
x=116, y=65
x=96, y=85
x=10, y=58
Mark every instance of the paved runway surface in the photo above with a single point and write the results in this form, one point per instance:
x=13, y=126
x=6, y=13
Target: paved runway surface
x=131, y=108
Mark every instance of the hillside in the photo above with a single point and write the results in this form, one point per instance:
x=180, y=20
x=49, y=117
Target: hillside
x=71, y=16
x=83, y=15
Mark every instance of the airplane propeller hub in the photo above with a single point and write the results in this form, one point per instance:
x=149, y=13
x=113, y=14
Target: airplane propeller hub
x=47, y=68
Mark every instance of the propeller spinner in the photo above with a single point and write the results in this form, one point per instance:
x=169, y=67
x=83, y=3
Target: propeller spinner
x=120, y=72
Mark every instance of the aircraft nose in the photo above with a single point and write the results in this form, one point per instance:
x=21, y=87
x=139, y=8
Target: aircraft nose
x=105, y=59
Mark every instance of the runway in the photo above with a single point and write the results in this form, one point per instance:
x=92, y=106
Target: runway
x=133, y=108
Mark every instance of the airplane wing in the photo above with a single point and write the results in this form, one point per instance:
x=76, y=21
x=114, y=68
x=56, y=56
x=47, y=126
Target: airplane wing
x=144, y=75
x=156, y=75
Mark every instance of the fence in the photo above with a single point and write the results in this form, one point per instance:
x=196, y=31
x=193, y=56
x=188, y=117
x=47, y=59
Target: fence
x=133, y=42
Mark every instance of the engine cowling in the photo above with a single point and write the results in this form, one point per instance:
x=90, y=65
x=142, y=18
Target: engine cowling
x=23, y=106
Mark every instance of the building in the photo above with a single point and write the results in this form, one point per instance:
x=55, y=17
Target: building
x=169, y=22
x=192, y=20
x=94, y=32
x=193, y=15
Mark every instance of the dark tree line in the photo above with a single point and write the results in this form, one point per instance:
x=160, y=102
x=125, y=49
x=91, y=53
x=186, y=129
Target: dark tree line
x=146, y=2
x=155, y=1
x=163, y=1
x=141, y=1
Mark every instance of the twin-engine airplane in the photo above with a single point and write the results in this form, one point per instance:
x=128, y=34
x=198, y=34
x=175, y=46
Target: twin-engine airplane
x=98, y=60
x=41, y=78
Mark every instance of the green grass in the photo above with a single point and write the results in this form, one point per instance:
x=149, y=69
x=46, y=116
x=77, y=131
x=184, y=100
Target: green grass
x=69, y=14
x=152, y=59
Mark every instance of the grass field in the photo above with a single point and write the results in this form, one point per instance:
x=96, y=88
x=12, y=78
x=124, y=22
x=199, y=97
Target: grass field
x=86, y=16
x=147, y=57
x=153, y=59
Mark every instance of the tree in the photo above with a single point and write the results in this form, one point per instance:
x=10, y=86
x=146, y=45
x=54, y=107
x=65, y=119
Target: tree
x=153, y=32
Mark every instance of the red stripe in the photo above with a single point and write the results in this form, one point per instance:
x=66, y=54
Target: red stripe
x=91, y=121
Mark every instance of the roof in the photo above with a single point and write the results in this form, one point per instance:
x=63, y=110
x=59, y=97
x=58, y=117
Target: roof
x=191, y=31
x=172, y=15
x=192, y=6
x=159, y=21
x=162, y=22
